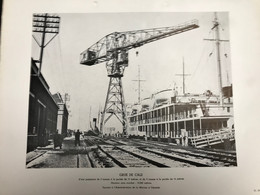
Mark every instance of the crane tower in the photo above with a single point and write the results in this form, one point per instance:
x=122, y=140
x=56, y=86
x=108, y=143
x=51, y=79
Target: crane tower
x=113, y=49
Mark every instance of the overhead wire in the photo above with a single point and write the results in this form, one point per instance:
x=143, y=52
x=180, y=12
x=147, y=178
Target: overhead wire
x=225, y=58
x=65, y=81
x=61, y=66
x=193, y=75
x=56, y=69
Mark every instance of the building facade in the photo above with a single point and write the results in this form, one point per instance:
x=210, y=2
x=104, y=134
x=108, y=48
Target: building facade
x=62, y=119
x=43, y=111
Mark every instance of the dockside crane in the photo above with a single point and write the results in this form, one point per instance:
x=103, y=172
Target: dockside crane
x=113, y=49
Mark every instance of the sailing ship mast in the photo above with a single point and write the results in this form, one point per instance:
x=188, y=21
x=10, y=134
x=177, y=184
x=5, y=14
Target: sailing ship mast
x=90, y=119
x=139, y=80
x=216, y=26
x=183, y=76
x=217, y=41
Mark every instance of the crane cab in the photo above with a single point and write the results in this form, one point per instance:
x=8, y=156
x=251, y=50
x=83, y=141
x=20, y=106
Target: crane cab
x=88, y=58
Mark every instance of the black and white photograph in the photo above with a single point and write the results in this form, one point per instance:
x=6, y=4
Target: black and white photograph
x=129, y=97
x=131, y=90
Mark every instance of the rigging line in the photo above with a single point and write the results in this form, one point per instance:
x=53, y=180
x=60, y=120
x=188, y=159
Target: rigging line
x=172, y=84
x=47, y=56
x=222, y=28
x=224, y=48
x=48, y=68
x=36, y=41
x=204, y=64
x=63, y=79
x=199, y=63
x=55, y=69
x=226, y=64
x=50, y=40
x=79, y=117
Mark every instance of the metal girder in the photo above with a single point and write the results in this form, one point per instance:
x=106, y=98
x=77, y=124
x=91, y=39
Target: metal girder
x=113, y=49
x=121, y=42
x=115, y=104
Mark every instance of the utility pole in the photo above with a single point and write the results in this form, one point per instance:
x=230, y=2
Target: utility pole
x=183, y=76
x=217, y=41
x=45, y=24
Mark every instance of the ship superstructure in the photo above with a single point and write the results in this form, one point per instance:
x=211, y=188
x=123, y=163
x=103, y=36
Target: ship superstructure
x=188, y=119
x=178, y=116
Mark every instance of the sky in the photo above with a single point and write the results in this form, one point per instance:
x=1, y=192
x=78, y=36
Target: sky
x=159, y=61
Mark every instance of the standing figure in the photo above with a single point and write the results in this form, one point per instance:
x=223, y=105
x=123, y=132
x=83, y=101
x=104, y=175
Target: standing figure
x=77, y=138
x=57, y=139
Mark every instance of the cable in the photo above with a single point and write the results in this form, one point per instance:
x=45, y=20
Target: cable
x=200, y=59
x=63, y=76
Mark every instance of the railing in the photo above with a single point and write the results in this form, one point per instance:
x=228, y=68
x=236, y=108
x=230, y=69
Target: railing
x=213, y=138
x=164, y=118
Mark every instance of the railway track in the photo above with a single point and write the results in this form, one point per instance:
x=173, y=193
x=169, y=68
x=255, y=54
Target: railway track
x=128, y=156
x=97, y=152
x=131, y=156
x=211, y=158
x=35, y=157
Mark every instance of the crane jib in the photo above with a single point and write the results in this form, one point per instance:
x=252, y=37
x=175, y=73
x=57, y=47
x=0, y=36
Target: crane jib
x=92, y=55
x=113, y=49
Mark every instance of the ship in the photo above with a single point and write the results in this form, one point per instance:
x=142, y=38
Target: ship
x=199, y=120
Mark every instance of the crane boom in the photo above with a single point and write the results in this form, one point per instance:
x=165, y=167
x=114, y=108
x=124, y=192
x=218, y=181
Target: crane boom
x=121, y=42
x=113, y=49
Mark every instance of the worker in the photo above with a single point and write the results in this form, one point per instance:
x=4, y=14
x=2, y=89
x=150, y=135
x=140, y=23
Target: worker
x=57, y=139
x=77, y=138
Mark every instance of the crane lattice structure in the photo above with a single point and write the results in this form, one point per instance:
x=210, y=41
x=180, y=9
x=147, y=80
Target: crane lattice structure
x=113, y=49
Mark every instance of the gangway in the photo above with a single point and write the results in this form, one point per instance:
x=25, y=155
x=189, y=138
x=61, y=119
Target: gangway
x=214, y=138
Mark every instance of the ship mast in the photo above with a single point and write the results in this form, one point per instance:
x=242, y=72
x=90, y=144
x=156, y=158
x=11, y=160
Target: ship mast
x=217, y=41
x=139, y=80
x=183, y=76
x=90, y=119
x=216, y=26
